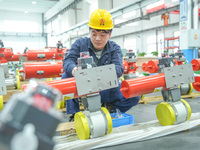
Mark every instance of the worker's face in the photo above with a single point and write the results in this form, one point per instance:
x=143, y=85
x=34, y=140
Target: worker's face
x=99, y=38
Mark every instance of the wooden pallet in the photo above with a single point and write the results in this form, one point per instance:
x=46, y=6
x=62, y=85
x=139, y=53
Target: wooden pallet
x=160, y=98
x=65, y=128
x=9, y=94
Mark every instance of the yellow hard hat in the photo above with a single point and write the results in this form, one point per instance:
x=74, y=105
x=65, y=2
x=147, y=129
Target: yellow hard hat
x=101, y=19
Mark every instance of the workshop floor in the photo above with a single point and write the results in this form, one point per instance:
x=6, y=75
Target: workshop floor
x=146, y=112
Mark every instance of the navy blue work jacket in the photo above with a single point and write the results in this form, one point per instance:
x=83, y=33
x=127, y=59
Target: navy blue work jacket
x=111, y=54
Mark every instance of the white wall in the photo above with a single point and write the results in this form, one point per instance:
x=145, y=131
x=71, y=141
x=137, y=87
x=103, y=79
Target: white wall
x=20, y=30
x=138, y=32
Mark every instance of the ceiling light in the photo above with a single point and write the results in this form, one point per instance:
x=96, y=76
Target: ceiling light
x=26, y=11
x=34, y=2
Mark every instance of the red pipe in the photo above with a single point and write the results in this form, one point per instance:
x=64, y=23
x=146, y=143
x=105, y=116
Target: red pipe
x=65, y=86
x=15, y=57
x=47, y=54
x=43, y=70
x=142, y=85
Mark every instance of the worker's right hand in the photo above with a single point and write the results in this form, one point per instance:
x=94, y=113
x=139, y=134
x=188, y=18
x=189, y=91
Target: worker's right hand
x=75, y=69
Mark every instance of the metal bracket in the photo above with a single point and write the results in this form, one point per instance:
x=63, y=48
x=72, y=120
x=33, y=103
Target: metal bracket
x=171, y=95
x=96, y=79
x=92, y=102
x=178, y=75
x=22, y=58
x=3, y=90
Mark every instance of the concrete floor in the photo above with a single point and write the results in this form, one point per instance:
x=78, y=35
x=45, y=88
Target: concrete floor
x=189, y=140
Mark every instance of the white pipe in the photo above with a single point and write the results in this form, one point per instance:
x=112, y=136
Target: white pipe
x=195, y=14
x=189, y=15
x=195, y=19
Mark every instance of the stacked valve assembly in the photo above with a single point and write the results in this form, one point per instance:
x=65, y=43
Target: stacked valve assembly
x=129, y=65
x=173, y=110
x=94, y=121
x=153, y=67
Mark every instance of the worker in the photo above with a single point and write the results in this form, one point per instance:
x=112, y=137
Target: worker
x=25, y=50
x=104, y=52
x=59, y=45
x=1, y=43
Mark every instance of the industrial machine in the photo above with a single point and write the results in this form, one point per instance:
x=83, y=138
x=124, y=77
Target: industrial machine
x=46, y=54
x=153, y=67
x=42, y=70
x=5, y=54
x=196, y=67
x=129, y=65
x=3, y=90
x=94, y=121
x=11, y=76
x=29, y=119
x=173, y=110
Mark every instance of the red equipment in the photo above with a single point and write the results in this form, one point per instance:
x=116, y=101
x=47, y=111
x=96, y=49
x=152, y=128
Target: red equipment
x=196, y=64
x=129, y=67
x=42, y=69
x=65, y=86
x=46, y=54
x=15, y=57
x=178, y=62
x=5, y=55
x=143, y=85
x=144, y=66
x=152, y=66
x=196, y=84
x=196, y=67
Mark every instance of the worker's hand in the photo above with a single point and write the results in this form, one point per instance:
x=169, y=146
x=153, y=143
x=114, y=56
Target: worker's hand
x=75, y=69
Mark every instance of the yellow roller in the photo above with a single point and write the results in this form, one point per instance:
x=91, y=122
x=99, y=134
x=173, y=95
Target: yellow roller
x=109, y=119
x=1, y=102
x=49, y=79
x=165, y=114
x=191, y=89
x=18, y=79
x=60, y=104
x=81, y=126
x=142, y=97
x=188, y=109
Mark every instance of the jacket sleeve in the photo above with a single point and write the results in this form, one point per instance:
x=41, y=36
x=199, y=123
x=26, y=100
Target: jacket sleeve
x=70, y=60
x=117, y=59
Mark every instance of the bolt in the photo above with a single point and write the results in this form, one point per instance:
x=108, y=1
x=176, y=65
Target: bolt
x=180, y=74
x=173, y=75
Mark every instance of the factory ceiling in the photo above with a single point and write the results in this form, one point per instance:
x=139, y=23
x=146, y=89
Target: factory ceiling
x=27, y=6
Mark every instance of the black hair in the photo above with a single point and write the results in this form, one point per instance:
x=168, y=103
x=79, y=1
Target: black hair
x=105, y=31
